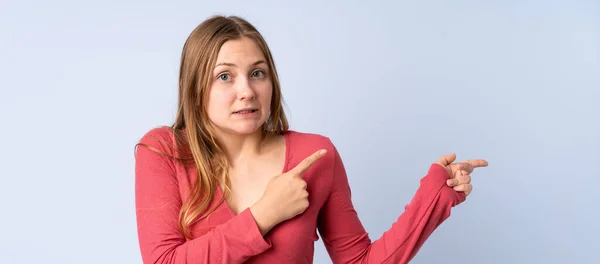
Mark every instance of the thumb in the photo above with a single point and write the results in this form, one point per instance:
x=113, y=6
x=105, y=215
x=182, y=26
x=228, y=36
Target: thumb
x=446, y=159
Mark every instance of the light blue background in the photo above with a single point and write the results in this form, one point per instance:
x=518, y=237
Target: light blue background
x=394, y=84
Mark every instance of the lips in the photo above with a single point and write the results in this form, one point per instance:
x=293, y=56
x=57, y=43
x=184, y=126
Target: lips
x=246, y=111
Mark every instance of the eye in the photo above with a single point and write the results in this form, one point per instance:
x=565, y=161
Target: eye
x=258, y=74
x=224, y=77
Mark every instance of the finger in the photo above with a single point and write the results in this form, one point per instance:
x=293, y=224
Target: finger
x=446, y=159
x=303, y=184
x=308, y=162
x=304, y=194
x=477, y=163
x=452, y=182
x=460, y=178
x=463, y=179
x=469, y=165
x=466, y=188
x=465, y=167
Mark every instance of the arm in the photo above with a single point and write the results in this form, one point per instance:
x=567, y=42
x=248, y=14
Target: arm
x=158, y=202
x=346, y=239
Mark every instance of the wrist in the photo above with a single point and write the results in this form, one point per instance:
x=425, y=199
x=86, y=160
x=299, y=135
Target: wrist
x=264, y=218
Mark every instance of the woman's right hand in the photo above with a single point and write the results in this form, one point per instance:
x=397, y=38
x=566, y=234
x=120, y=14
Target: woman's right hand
x=285, y=195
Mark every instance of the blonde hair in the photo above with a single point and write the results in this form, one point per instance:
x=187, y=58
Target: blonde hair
x=192, y=129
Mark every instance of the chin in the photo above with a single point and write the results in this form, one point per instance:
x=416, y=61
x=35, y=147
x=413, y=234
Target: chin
x=244, y=129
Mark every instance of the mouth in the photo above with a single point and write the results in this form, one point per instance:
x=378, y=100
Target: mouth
x=246, y=111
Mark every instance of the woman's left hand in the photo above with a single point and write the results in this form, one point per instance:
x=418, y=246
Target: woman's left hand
x=460, y=172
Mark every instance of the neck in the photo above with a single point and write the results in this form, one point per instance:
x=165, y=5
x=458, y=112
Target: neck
x=240, y=148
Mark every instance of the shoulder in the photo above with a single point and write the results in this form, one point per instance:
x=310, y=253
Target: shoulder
x=309, y=141
x=159, y=138
x=161, y=132
x=304, y=144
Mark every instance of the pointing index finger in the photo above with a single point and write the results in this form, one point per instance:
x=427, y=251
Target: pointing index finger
x=476, y=163
x=305, y=164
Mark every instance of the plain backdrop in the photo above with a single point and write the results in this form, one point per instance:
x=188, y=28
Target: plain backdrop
x=394, y=84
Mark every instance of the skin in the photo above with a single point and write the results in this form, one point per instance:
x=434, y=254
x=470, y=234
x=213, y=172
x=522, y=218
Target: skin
x=241, y=81
x=460, y=173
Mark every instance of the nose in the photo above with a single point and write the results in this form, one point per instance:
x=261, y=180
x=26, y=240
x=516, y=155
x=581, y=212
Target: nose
x=245, y=91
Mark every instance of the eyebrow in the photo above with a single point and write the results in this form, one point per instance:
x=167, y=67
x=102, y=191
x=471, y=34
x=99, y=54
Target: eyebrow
x=232, y=64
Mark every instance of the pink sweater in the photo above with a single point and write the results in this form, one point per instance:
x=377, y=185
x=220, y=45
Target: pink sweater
x=162, y=184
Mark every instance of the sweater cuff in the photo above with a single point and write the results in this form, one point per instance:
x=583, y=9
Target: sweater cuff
x=438, y=172
x=439, y=175
x=252, y=233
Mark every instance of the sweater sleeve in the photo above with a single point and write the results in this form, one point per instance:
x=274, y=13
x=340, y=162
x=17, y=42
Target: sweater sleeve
x=346, y=239
x=158, y=201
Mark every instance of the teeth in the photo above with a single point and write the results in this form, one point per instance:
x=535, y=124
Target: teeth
x=245, y=111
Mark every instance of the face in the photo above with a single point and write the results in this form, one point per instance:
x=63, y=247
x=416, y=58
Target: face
x=239, y=99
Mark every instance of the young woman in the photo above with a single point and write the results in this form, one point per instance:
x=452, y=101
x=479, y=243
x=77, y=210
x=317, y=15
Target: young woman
x=228, y=182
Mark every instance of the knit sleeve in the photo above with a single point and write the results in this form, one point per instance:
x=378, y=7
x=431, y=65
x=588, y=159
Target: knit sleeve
x=158, y=201
x=346, y=239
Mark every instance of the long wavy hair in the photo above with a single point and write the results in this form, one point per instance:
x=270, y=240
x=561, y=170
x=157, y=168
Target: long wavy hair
x=192, y=128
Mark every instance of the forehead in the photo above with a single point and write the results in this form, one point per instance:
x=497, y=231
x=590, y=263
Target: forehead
x=240, y=51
